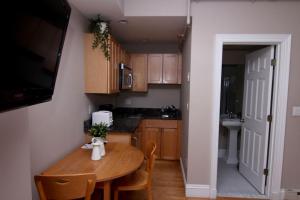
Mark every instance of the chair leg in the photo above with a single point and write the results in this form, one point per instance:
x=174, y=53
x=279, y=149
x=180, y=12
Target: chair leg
x=149, y=191
x=116, y=195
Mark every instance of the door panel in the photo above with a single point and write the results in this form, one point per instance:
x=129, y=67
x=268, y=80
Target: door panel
x=152, y=135
x=155, y=65
x=139, y=69
x=170, y=68
x=256, y=108
x=169, y=142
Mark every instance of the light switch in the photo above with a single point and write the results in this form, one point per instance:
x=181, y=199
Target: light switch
x=90, y=108
x=188, y=76
x=296, y=111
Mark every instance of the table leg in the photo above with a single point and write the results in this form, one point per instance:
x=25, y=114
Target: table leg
x=106, y=190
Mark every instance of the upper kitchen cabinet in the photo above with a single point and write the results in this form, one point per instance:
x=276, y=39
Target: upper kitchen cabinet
x=102, y=74
x=164, y=68
x=139, y=70
x=155, y=65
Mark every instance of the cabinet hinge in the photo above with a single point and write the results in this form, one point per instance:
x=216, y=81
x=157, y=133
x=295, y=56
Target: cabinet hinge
x=269, y=118
x=273, y=62
x=266, y=172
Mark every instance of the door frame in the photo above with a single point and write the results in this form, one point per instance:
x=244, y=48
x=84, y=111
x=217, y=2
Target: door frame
x=280, y=94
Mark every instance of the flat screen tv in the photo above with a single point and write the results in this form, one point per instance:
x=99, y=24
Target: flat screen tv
x=33, y=36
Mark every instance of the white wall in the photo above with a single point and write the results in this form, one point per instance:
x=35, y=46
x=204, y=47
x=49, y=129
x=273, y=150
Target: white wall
x=15, y=172
x=185, y=99
x=220, y=17
x=35, y=137
x=56, y=127
x=155, y=7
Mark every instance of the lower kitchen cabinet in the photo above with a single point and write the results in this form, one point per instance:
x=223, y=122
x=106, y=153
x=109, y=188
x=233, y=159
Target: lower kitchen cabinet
x=151, y=135
x=166, y=135
x=169, y=138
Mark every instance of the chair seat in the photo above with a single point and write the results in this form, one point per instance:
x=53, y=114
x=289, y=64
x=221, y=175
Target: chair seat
x=135, y=181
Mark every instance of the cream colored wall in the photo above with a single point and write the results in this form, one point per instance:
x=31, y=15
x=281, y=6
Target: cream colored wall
x=156, y=97
x=185, y=98
x=155, y=7
x=56, y=127
x=219, y=17
x=32, y=138
x=15, y=155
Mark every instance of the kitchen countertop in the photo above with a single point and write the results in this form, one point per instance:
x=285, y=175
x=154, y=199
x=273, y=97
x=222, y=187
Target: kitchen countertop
x=128, y=119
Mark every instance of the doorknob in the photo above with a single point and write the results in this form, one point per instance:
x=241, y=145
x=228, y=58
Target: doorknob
x=242, y=120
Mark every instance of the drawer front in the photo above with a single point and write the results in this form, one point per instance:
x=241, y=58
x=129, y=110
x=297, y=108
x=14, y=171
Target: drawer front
x=156, y=123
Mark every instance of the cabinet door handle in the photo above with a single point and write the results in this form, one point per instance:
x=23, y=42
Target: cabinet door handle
x=134, y=138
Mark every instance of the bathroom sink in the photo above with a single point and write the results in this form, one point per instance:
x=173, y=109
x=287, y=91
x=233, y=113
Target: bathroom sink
x=233, y=125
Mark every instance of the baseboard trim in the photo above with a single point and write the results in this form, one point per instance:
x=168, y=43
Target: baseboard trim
x=195, y=190
x=288, y=194
x=182, y=171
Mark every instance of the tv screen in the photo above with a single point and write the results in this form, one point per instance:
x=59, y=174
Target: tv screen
x=33, y=37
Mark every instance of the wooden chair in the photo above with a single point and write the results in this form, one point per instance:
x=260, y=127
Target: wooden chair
x=139, y=180
x=65, y=186
x=118, y=138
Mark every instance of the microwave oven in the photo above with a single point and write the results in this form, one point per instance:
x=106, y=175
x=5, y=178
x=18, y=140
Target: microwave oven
x=125, y=77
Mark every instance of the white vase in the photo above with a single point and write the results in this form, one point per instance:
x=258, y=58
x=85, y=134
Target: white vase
x=96, y=153
x=102, y=148
x=98, y=142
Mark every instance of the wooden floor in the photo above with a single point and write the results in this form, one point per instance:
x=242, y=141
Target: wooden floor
x=167, y=184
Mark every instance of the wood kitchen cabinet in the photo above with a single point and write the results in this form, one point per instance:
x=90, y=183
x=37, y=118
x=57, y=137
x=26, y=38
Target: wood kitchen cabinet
x=138, y=63
x=151, y=135
x=155, y=65
x=166, y=135
x=164, y=68
x=102, y=74
x=170, y=68
x=169, y=138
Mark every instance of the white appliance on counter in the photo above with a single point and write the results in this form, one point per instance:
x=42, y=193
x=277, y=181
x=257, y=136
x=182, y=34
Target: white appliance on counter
x=102, y=116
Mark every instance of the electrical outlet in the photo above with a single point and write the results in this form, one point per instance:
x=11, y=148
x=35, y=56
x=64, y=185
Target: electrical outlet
x=128, y=102
x=296, y=111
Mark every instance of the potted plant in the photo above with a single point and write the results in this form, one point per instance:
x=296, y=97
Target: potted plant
x=99, y=131
x=101, y=31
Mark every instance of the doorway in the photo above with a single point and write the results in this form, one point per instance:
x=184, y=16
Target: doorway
x=279, y=96
x=246, y=88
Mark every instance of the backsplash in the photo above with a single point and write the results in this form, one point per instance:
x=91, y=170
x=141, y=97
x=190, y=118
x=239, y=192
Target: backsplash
x=156, y=97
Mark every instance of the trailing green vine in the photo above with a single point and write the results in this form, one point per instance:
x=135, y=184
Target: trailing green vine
x=101, y=31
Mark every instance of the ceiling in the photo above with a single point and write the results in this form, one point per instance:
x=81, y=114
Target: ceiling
x=146, y=29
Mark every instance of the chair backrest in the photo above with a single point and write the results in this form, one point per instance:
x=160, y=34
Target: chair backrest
x=65, y=186
x=150, y=161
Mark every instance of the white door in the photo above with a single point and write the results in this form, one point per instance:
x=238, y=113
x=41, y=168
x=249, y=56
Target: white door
x=256, y=108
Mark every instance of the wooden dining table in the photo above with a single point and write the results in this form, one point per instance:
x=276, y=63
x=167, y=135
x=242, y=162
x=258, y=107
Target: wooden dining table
x=119, y=160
